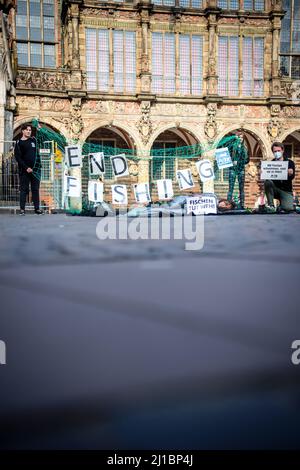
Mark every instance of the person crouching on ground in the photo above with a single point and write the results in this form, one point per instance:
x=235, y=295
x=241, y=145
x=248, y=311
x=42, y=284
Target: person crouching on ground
x=29, y=168
x=280, y=189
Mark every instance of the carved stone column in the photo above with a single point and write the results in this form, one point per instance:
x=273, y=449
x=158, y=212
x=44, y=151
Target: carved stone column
x=75, y=35
x=212, y=79
x=145, y=76
x=74, y=125
x=7, y=77
x=73, y=16
x=277, y=15
x=275, y=88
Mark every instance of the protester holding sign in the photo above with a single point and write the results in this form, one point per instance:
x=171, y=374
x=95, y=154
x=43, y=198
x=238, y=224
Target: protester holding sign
x=240, y=159
x=280, y=189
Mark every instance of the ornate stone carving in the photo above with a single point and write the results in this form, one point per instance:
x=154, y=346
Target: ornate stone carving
x=291, y=90
x=93, y=106
x=133, y=168
x=210, y=127
x=51, y=81
x=74, y=123
x=274, y=127
x=212, y=66
x=94, y=12
x=290, y=112
x=275, y=110
x=144, y=125
x=277, y=4
x=251, y=170
x=28, y=102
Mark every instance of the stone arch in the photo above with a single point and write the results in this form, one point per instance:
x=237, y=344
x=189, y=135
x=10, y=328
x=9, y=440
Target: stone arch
x=289, y=132
x=48, y=121
x=262, y=140
x=260, y=149
x=119, y=127
x=174, y=127
x=165, y=165
x=291, y=141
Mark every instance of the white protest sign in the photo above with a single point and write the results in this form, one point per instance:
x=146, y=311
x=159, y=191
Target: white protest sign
x=205, y=170
x=165, y=189
x=119, y=165
x=203, y=204
x=223, y=158
x=73, y=156
x=95, y=191
x=119, y=194
x=72, y=186
x=142, y=192
x=185, y=179
x=45, y=151
x=274, y=170
x=97, y=166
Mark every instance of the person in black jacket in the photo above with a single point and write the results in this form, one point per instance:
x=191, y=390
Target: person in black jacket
x=29, y=168
x=281, y=189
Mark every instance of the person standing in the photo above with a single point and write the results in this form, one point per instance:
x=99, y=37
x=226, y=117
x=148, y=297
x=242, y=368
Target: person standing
x=239, y=159
x=280, y=189
x=29, y=168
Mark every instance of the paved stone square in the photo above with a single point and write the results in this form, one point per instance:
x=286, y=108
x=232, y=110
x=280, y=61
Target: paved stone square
x=140, y=344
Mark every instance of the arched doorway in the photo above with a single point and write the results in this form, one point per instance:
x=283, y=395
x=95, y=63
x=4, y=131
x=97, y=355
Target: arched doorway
x=164, y=162
x=111, y=140
x=50, y=176
x=292, y=151
x=252, y=170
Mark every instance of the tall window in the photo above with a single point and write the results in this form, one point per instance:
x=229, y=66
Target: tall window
x=98, y=64
x=181, y=3
x=228, y=4
x=35, y=30
x=253, y=66
x=256, y=5
x=163, y=63
x=290, y=40
x=189, y=64
x=228, y=65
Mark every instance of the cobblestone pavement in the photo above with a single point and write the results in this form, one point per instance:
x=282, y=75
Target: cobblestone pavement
x=142, y=344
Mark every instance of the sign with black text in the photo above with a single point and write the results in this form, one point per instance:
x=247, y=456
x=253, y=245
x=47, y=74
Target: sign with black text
x=274, y=170
x=223, y=158
x=203, y=204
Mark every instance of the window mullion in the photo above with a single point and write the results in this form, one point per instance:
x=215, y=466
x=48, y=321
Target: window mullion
x=124, y=62
x=163, y=63
x=253, y=66
x=177, y=62
x=191, y=64
x=111, y=60
x=227, y=68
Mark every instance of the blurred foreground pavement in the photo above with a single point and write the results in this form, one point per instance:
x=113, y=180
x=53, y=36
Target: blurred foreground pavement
x=143, y=345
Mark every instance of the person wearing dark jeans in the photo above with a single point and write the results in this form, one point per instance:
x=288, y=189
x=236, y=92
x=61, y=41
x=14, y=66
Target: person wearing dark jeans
x=281, y=189
x=29, y=169
x=240, y=158
x=26, y=180
x=232, y=174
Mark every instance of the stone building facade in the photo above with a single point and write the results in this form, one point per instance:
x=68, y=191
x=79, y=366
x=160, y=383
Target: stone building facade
x=165, y=73
x=7, y=76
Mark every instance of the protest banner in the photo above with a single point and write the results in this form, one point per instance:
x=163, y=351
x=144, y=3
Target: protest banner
x=223, y=158
x=272, y=170
x=203, y=204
